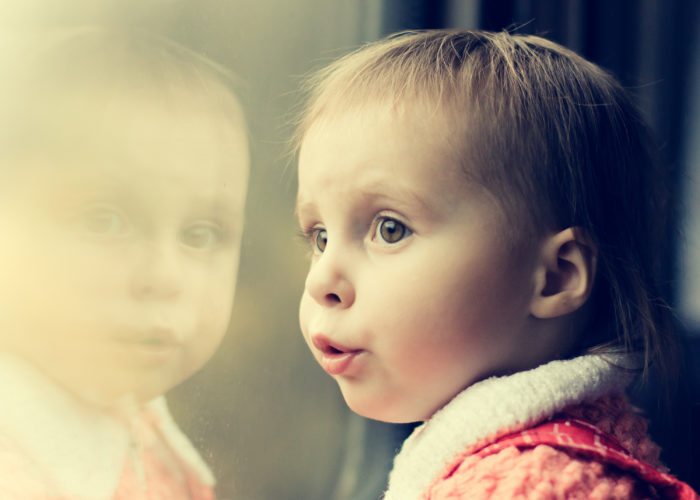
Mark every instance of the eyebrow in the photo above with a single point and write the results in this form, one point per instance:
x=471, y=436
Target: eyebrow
x=397, y=197
x=122, y=189
x=302, y=207
x=375, y=192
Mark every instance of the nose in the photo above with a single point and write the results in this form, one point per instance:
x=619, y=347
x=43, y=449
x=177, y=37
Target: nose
x=157, y=273
x=328, y=282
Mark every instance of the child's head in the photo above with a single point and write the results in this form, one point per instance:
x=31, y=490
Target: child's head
x=463, y=193
x=124, y=170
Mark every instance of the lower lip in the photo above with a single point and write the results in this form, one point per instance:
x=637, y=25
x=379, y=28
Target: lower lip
x=150, y=353
x=337, y=364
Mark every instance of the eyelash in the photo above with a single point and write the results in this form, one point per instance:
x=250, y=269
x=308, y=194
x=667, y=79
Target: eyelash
x=305, y=235
x=311, y=234
x=102, y=220
x=108, y=222
x=215, y=235
x=377, y=226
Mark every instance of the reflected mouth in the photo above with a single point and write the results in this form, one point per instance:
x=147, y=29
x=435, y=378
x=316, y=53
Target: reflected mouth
x=155, y=339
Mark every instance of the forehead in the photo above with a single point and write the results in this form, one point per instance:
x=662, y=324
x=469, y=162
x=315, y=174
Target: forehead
x=143, y=148
x=381, y=127
x=140, y=121
x=381, y=150
x=181, y=127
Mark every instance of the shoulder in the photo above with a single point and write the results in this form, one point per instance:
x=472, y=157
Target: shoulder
x=581, y=455
x=542, y=472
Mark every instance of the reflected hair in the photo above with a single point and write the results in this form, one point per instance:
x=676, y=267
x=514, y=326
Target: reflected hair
x=68, y=78
x=557, y=139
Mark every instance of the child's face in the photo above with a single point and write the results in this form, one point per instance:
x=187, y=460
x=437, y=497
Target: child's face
x=118, y=261
x=415, y=289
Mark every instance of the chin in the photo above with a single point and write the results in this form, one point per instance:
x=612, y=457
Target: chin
x=123, y=397
x=384, y=411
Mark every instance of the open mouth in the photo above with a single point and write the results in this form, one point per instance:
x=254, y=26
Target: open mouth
x=336, y=359
x=329, y=348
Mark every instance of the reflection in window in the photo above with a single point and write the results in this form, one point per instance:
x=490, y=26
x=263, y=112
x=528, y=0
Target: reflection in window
x=102, y=170
x=124, y=163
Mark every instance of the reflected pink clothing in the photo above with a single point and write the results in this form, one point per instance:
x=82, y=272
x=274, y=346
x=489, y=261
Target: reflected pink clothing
x=560, y=431
x=150, y=478
x=153, y=481
x=54, y=447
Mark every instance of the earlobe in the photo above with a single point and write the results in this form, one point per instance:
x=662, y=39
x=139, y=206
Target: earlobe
x=565, y=273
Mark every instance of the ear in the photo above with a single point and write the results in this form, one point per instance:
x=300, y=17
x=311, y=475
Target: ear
x=565, y=273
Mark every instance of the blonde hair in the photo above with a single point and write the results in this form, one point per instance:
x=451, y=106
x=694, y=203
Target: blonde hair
x=553, y=136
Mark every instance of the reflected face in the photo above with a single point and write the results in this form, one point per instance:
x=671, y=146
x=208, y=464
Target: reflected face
x=414, y=291
x=119, y=260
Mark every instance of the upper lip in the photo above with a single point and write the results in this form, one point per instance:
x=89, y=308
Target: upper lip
x=329, y=347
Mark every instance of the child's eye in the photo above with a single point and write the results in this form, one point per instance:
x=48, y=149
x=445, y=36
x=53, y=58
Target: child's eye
x=391, y=230
x=103, y=221
x=320, y=239
x=202, y=236
x=317, y=237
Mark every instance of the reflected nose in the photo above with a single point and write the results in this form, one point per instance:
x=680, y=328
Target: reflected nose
x=328, y=282
x=157, y=273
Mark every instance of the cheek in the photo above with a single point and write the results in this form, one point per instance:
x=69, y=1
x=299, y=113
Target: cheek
x=57, y=297
x=306, y=308
x=451, y=302
x=79, y=276
x=210, y=296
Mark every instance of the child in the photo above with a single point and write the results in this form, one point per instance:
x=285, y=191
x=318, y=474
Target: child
x=124, y=165
x=482, y=209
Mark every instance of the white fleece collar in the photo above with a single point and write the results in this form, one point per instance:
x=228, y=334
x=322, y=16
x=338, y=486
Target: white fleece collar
x=494, y=404
x=80, y=450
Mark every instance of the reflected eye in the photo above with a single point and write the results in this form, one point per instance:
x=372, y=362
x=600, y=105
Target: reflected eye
x=201, y=236
x=320, y=239
x=391, y=230
x=103, y=222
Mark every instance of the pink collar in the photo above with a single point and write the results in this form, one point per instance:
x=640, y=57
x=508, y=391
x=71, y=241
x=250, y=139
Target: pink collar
x=512, y=402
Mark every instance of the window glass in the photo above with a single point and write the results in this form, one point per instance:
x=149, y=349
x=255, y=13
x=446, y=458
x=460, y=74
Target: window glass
x=262, y=414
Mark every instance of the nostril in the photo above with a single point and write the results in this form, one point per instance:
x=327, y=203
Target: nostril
x=333, y=297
